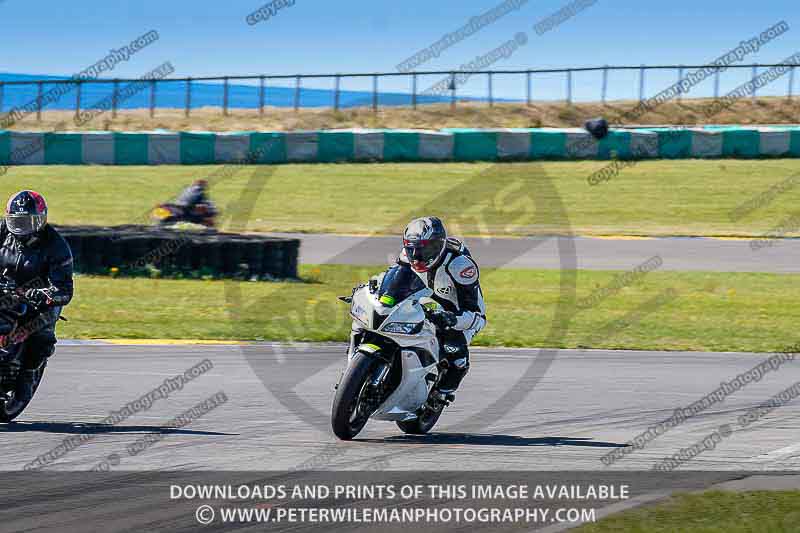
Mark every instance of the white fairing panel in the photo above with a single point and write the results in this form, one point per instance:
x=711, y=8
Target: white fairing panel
x=362, y=307
x=411, y=393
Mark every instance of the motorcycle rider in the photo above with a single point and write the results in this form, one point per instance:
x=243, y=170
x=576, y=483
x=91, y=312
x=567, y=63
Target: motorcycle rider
x=39, y=260
x=195, y=202
x=445, y=266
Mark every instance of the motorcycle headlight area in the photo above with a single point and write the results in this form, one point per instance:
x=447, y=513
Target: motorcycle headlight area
x=404, y=328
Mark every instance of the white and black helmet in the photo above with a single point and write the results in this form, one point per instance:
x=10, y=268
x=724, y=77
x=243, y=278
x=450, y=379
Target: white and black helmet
x=424, y=242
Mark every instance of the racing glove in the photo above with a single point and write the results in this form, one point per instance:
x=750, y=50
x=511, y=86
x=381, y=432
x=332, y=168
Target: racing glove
x=442, y=319
x=38, y=297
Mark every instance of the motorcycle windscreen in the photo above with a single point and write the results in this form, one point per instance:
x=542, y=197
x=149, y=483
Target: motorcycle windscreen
x=399, y=283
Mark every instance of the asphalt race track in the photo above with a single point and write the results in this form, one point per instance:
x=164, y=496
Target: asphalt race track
x=677, y=253
x=566, y=416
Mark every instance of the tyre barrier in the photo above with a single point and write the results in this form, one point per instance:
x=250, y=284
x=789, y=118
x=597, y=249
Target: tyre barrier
x=158, y=252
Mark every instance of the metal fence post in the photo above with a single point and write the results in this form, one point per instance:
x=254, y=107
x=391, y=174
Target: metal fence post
x=115, y=99
x=39, y=93
x=78, y=100
x=152, y=98
x=261, y=95
x=452, y=87
x=297, y=93
x=528, y=92
x=336, y=92
x=374, y=93
x=188, y=103
x=641, y=83
x=225, y=96
x=414, y=90
x=569, y=86
x=452, y=90
x=604, y=89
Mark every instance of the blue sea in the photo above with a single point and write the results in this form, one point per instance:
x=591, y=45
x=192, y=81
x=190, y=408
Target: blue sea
x=172, y=94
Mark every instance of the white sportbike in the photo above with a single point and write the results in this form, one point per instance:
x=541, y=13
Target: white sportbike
x=393, y=360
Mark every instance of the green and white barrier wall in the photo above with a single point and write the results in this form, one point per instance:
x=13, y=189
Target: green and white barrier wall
x=192, y=148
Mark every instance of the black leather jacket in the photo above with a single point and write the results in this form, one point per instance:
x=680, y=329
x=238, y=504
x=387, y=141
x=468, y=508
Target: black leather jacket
x=44, y=262
x=191, y=196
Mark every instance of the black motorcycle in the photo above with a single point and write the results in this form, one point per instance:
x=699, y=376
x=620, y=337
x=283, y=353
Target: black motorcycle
x=168, y=214
x=17, y=321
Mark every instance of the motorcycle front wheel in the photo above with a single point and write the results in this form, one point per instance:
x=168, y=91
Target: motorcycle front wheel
x=350, y=410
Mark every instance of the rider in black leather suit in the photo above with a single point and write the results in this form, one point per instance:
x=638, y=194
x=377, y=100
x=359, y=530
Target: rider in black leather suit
x=39, y=260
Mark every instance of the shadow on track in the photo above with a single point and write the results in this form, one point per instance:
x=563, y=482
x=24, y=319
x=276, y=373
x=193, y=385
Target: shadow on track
x=82, y=428
x=492, y=440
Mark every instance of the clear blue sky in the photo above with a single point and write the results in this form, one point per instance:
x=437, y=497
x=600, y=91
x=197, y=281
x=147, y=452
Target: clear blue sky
x=211, y=37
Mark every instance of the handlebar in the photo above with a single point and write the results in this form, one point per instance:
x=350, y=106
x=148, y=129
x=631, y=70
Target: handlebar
x=11, y=294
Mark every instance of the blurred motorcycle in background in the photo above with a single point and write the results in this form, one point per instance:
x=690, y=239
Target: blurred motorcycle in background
x=168, y=214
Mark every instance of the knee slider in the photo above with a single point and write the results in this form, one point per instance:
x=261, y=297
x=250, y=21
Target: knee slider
x=461, y=363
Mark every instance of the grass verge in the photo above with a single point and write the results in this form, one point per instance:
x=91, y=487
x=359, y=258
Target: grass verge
x=710, y=512
x=765, y=110
x=686, y=197
x=709, y=311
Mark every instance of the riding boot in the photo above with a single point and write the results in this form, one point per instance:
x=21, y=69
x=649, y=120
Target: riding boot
x=26, y=381
x=38, y=348
x=36, y=353
x=455, y=350
x=40, y=345
x=453, y=377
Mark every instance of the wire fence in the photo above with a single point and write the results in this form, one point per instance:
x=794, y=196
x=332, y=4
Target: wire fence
x=294, y=91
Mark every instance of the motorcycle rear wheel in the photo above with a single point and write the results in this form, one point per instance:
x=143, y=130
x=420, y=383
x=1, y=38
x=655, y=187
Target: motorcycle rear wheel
x=9, y=410
x=424, y=422
x=348, y=415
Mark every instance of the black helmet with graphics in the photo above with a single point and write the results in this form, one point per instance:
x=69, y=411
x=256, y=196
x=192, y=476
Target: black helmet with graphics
x=26, y=213
x=424, y=242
